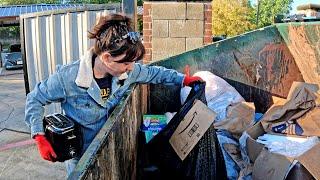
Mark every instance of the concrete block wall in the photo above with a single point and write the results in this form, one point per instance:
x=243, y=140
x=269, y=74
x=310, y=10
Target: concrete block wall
x=170, y=28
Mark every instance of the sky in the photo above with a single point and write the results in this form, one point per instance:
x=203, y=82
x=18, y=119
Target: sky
x=299, y=2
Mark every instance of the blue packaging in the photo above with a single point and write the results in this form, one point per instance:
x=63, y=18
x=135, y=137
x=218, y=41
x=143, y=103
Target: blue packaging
x=152, y=125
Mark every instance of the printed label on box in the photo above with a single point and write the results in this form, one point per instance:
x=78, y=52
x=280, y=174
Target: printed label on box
x=191, y=129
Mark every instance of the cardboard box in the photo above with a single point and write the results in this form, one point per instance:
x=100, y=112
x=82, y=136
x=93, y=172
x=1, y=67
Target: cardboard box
x=272, y=166
x=190, y=130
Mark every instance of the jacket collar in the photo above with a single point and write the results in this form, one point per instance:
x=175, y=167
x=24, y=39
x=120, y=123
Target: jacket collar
x=85, y=72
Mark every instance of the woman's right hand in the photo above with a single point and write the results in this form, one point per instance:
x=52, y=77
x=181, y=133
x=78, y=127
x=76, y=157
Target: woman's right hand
x=189, y=80
x=45, y=149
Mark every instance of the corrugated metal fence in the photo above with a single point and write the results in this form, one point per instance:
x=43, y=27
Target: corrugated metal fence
x=54, y=38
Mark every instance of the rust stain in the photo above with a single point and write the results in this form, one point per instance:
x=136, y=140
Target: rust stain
x=247, y=69
x=305, y=50
x=280, y=69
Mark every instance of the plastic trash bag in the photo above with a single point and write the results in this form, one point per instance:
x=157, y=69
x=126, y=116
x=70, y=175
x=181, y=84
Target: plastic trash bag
x=286, y=145
x=205, y=161
x=232, y=168
x=219, y=94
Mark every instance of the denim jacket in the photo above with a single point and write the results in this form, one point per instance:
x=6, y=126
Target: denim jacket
x=74, y=87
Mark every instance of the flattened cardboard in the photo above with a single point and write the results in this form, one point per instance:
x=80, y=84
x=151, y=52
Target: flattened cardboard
x=256, y=151
x=253, y=147
x=311, y=161
x=291, y=116
x=239, y=117
x=191, y=129
x=270, y=166
x=311, y=122
x=294, y=89
x=278, y=100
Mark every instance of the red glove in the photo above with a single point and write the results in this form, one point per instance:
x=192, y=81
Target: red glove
x=45, y=148
x=189, y=80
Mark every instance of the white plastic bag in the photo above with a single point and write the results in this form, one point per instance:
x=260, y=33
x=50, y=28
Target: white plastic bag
x=288, y=146
x=219, y=94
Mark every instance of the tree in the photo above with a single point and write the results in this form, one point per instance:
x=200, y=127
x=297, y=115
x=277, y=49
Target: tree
x=9, y=33
x=231, y=17
x=269, y=9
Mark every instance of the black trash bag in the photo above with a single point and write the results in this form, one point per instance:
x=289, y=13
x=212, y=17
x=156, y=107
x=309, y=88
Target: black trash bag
x=205, y=161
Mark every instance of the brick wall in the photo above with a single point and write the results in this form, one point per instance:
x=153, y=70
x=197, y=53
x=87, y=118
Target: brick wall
x=170, y=28
x=207, y=39
x=147, y=31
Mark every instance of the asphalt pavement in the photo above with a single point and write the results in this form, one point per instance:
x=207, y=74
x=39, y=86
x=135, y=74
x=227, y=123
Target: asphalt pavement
x=19, y=157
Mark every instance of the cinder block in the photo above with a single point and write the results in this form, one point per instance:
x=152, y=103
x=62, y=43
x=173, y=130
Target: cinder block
x=160, y=28
x=195, y=11
x=159, y=56
x=177, y=28
x=193, y=43
x=186, y=28
x=166, y=47
x=168, y=10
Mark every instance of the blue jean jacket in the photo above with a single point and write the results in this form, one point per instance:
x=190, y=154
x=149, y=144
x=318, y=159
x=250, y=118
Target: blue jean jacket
x=74, y=87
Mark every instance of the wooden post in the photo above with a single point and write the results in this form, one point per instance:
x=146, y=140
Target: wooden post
x=129, y=7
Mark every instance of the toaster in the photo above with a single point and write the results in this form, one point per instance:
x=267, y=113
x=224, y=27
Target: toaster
x=63, y=135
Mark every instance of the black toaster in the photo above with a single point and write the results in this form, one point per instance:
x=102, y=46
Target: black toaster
x=63, y=136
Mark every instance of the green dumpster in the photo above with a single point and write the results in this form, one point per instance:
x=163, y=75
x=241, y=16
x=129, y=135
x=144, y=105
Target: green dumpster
x=259, y=64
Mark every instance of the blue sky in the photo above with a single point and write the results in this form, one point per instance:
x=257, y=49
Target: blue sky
x=299, y=2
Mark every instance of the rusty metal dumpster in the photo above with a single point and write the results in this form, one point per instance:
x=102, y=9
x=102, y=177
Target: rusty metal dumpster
x=259, y=64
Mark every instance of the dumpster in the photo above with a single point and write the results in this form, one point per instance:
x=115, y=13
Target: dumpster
x=259, y=64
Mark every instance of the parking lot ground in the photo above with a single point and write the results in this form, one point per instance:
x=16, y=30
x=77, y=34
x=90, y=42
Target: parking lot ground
x=19, y=157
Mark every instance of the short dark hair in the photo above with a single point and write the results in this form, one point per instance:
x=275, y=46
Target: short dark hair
x=107, y=33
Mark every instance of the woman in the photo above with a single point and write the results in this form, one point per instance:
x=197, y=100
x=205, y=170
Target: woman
x=88, y=89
